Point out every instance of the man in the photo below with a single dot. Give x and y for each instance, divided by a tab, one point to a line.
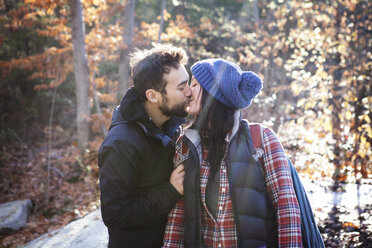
138	187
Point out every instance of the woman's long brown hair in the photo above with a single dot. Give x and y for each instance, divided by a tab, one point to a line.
213	123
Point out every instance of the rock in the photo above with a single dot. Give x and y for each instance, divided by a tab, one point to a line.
88	231
13	215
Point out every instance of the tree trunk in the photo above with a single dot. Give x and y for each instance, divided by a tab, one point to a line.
256	15
81	73
161	25
47	186
98	107
256	18
128	23
279	106
359	109
336	104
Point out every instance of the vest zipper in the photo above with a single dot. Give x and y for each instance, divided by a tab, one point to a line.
236	219
194	152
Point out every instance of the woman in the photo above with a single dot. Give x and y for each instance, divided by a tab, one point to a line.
230	200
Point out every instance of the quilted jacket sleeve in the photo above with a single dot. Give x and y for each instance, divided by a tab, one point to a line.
121	208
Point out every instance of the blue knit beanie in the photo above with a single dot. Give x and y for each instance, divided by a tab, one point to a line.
226	82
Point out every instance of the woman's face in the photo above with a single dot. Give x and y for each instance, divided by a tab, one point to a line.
195	103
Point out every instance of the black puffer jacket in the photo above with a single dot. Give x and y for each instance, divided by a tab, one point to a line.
135	161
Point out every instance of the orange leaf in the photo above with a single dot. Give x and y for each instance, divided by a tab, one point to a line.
349	224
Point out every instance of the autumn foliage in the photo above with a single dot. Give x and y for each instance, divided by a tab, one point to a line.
314	56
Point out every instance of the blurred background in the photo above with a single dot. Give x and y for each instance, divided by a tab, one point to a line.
64	68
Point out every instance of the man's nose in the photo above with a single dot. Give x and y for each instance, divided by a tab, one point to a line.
188	91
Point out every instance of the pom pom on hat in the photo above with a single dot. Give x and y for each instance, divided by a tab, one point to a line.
226	82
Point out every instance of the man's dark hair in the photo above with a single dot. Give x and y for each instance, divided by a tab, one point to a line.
213	124
149	66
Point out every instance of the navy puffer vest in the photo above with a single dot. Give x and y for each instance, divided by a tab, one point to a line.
254	215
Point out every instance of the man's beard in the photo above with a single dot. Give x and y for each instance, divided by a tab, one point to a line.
177	110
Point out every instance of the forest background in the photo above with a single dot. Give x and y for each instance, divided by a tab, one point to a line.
64	68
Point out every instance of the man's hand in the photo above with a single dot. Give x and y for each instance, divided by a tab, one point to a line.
176	178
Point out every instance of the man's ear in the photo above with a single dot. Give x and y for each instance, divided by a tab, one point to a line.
152	95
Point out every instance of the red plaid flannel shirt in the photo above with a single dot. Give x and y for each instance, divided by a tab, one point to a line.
219	231
281	193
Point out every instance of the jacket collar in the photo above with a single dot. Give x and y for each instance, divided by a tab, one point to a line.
131	109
